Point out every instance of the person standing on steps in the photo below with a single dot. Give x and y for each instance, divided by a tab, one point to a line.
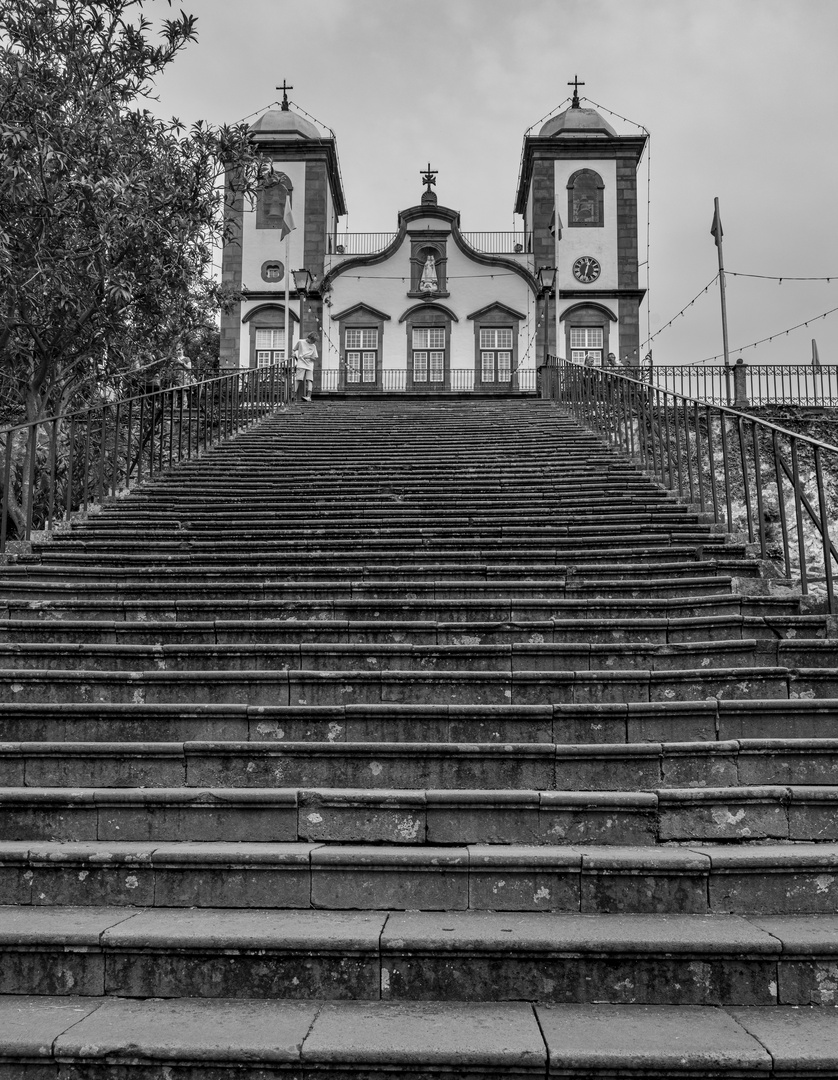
305	353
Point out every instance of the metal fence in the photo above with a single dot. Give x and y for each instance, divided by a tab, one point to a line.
55	467
778	488
765	384
498	243
368	243
490	243
458	380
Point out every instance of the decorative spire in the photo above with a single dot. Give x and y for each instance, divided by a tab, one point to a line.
285	90
575	84
429	179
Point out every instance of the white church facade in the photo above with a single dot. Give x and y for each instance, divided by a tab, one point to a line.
431	306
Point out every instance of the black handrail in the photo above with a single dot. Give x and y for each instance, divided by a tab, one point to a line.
60	465
758	473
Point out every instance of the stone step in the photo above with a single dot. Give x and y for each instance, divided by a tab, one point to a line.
615	722
787	879
343	606
318	653
120	517
661	631
359	547
197	763
253	686
637	561
93	1036
419	956
437	817
36	585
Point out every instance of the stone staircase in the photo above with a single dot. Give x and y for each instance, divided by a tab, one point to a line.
417	739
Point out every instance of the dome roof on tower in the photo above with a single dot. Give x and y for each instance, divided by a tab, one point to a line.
283	124
577	121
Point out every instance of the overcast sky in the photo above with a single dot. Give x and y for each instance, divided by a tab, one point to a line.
740	97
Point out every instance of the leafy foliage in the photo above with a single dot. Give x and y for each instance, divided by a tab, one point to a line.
109	216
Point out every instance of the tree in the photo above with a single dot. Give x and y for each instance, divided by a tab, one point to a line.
109	216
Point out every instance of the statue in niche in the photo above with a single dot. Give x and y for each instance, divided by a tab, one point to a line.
428	282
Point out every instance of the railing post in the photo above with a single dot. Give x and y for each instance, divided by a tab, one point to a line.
740	385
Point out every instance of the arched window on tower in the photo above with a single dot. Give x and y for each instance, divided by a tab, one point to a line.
585	199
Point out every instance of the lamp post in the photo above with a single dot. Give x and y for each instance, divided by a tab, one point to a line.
547	281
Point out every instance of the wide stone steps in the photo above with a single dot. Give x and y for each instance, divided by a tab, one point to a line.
788	879
462	718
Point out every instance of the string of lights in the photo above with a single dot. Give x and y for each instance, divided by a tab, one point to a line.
685	308
648	152
762	341
547	115
785	277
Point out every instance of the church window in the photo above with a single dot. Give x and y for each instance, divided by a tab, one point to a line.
585	199
586	345
429	354
496	354
361	354
270	347
273	270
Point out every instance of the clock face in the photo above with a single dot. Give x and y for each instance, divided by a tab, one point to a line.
586	269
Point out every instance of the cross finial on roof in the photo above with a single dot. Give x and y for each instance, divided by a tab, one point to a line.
575	84
284	88
429	176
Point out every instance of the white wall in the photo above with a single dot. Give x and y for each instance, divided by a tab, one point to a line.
259	245
601	243
471	285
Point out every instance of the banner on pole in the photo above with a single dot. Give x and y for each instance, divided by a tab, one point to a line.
716	230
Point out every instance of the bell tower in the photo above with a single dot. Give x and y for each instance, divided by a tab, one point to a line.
578	196
301	199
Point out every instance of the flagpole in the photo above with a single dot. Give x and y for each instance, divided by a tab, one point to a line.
717	233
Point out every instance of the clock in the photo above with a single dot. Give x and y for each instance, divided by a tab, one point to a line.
586	269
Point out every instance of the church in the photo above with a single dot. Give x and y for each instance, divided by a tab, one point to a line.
431	306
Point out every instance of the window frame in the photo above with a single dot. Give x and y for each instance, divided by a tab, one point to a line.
361	321
599	197
436	358
271	317
494	321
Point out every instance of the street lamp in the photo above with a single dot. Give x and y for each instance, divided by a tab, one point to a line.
547	281
302	281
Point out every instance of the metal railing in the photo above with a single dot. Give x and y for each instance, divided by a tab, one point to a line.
765	384
53	468
370	243
367	243
459	380
757	479
498	243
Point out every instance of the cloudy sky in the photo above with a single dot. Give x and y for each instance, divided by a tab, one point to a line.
740	97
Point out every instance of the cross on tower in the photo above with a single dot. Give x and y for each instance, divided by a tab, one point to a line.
575	84
284	88
429	176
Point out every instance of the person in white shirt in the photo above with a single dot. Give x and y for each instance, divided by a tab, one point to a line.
305	353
